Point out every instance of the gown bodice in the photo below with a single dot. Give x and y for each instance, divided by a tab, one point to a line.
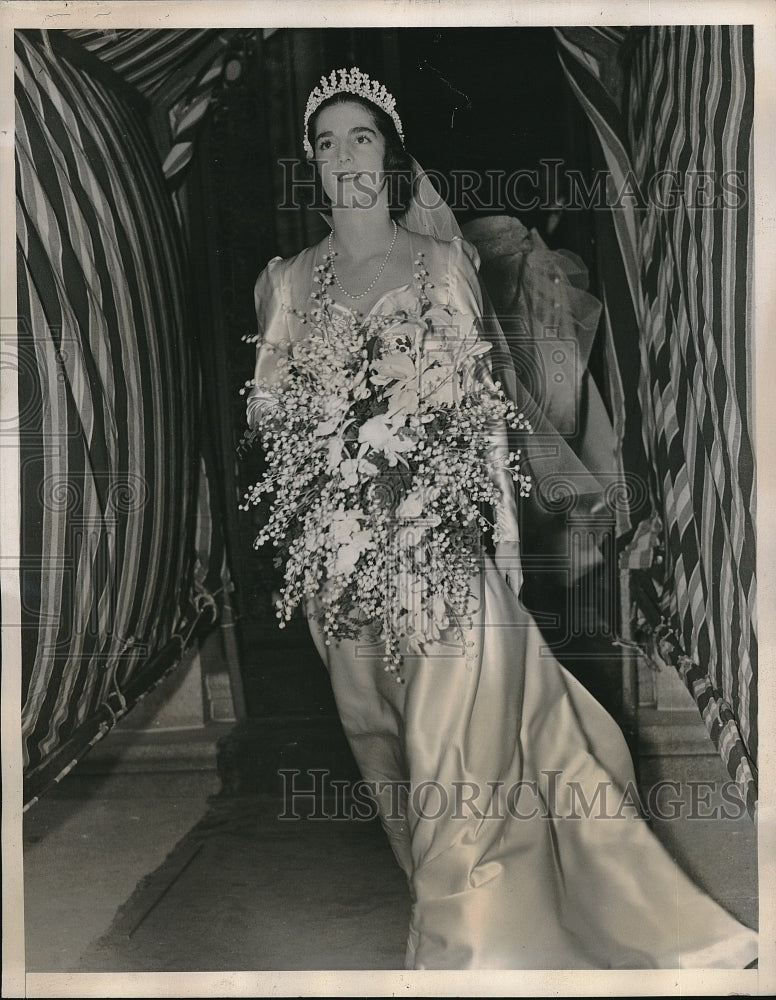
444	289
284	287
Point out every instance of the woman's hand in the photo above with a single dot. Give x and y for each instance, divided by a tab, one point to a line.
508	562
261	400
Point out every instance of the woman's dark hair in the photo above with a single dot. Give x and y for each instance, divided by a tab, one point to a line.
396	161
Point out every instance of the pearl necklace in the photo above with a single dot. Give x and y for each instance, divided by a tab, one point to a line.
376	278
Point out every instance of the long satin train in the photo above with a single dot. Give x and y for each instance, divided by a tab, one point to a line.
519	836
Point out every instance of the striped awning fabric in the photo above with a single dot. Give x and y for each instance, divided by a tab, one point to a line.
156	62
690	112
177	70
686	127
110	401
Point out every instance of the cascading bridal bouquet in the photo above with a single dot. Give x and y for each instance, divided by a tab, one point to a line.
380	460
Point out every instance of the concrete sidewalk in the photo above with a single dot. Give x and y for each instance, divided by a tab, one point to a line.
89	841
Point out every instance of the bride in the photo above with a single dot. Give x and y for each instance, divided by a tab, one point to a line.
518	830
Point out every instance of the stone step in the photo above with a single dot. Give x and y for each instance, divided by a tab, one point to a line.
673	732
253	755
125	751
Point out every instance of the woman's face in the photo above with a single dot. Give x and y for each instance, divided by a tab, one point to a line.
349	153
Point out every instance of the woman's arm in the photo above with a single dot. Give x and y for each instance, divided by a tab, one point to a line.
272	342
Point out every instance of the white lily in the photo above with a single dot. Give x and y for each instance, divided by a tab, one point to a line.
355	469
415	503
350	538
381	434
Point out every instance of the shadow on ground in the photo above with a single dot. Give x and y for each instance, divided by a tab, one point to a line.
247	891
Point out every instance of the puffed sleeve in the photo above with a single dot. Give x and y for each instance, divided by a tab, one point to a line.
466	300
272	340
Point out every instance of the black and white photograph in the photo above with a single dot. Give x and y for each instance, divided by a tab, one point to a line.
386	545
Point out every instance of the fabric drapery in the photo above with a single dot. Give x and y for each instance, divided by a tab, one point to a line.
109	398
589	59
156	62
682	110
178	70
549	321
690	111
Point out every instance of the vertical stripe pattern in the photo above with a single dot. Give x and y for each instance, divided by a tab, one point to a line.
687	125
690	112
109	433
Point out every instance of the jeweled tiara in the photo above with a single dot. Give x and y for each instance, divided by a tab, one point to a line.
350	81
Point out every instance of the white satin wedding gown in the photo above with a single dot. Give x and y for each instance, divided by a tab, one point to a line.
501	748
